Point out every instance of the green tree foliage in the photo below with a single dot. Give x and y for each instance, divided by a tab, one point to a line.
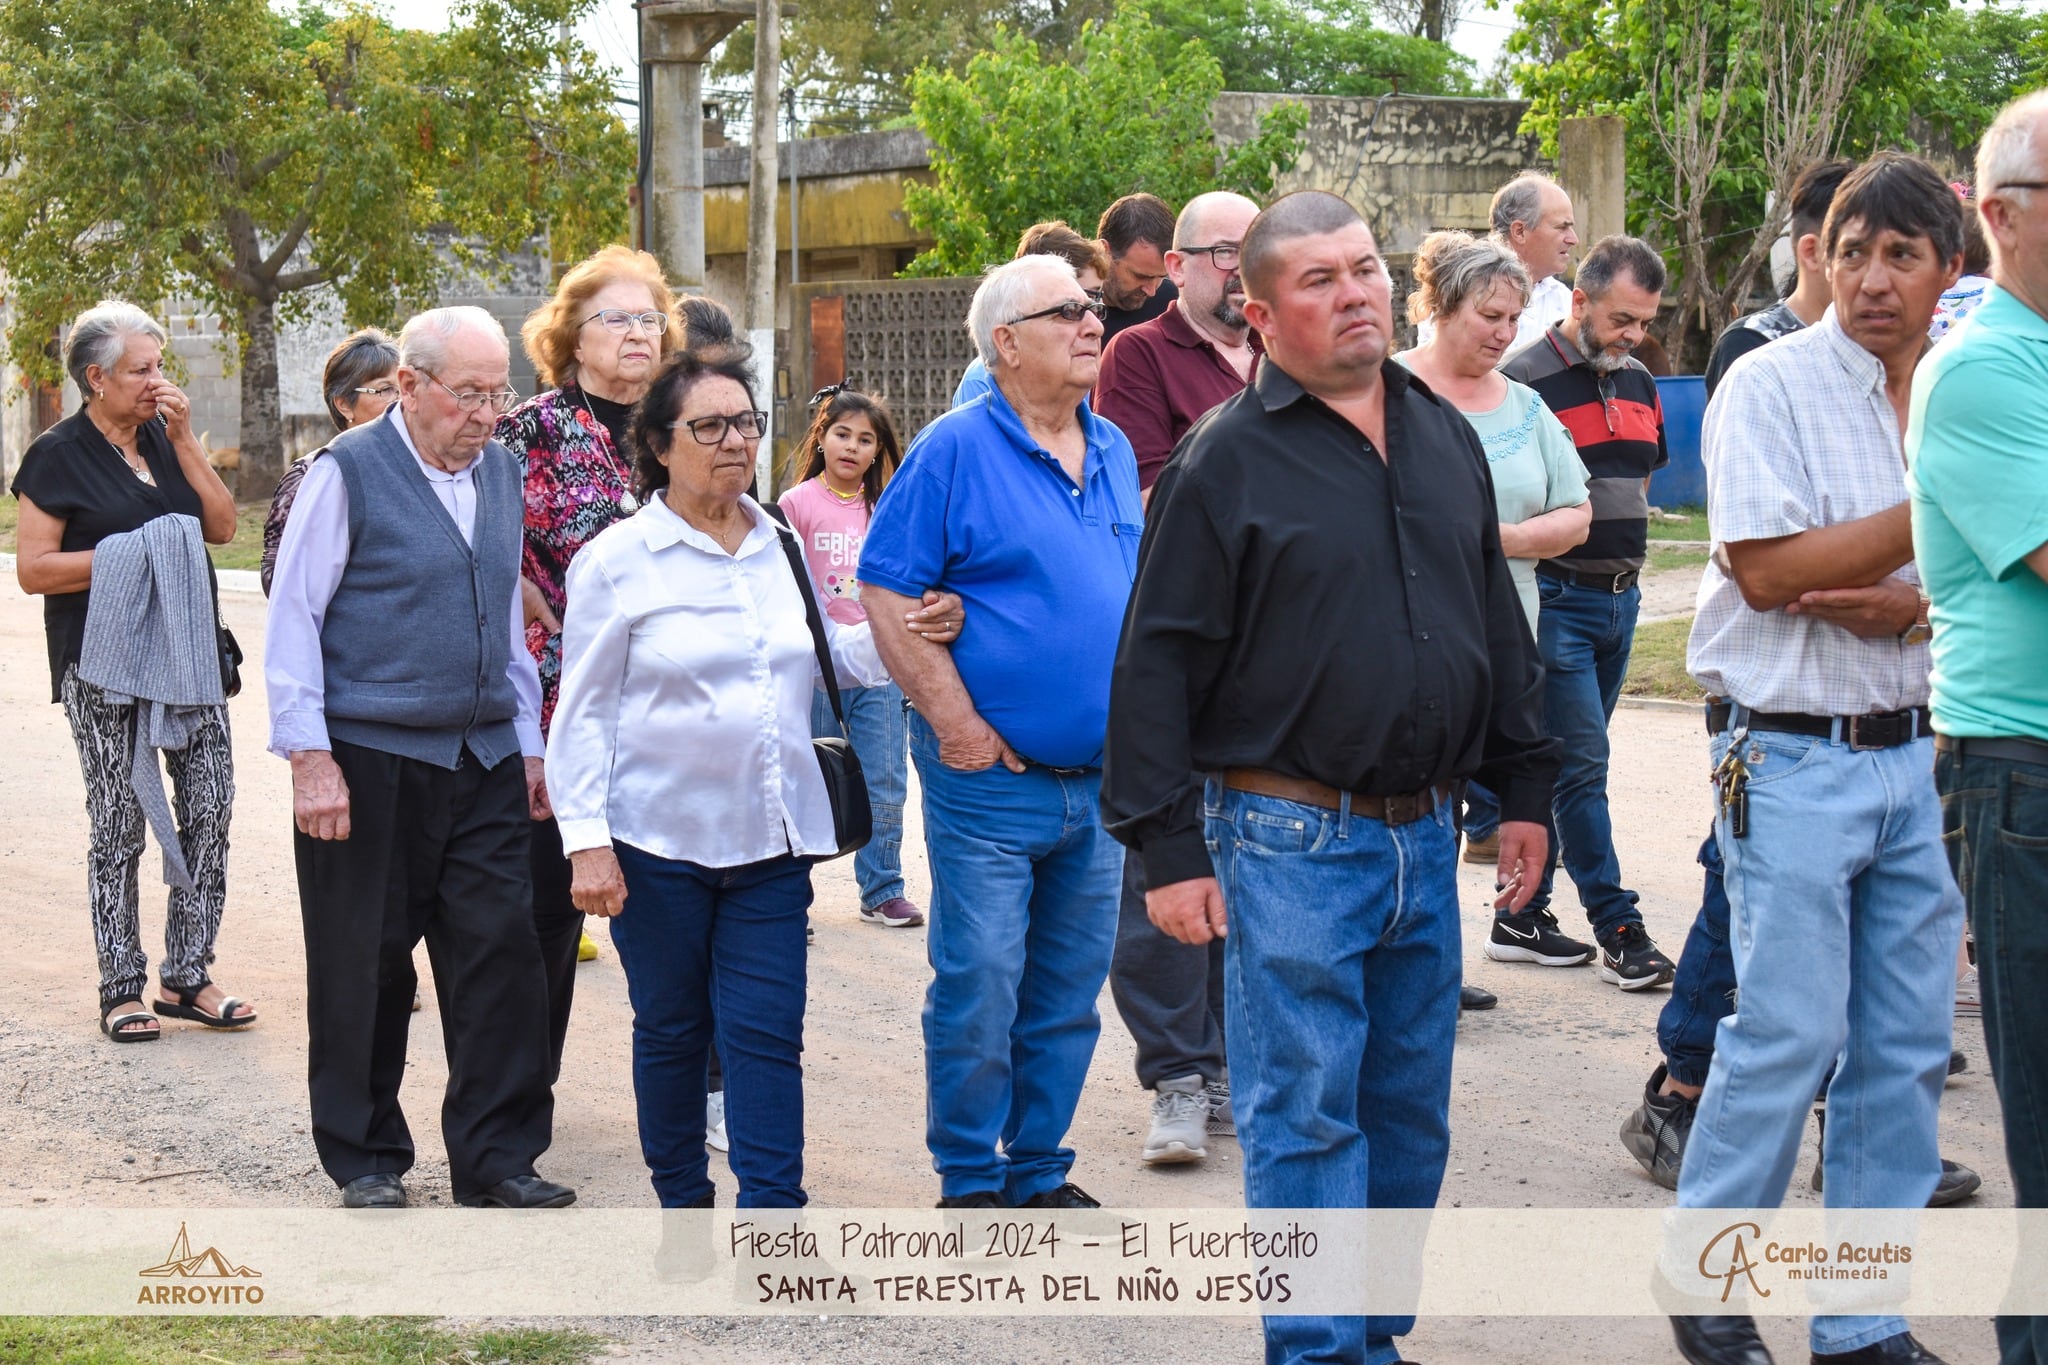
1985	57
1020	138
248	157
853	59
1704	86
1330	48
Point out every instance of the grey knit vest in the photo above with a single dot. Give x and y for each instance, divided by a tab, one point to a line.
417	639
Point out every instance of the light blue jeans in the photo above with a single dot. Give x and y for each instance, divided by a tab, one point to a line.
1025	884
874	715
1341	974
1844	923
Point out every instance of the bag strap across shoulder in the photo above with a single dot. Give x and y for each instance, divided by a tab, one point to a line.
795	555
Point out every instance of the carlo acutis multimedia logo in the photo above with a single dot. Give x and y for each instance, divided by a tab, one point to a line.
203	1279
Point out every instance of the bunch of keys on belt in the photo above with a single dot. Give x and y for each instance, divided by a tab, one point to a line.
1732	778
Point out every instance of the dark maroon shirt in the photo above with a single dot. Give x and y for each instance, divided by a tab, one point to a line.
1158	378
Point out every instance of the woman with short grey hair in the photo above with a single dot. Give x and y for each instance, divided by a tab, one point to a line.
1474	290
126	458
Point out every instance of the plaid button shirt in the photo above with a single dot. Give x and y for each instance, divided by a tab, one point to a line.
1800	435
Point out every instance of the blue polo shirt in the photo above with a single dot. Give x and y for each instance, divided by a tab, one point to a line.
1043	564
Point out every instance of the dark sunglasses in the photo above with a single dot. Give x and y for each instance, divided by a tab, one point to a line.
1073	310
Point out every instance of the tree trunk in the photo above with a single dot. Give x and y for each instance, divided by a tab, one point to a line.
262	419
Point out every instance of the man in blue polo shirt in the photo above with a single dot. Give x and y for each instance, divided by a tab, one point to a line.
1026	504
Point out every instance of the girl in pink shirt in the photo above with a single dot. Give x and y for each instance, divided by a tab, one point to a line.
847	456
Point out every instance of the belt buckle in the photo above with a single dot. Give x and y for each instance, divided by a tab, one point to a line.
1855	732
1401	809
1618	586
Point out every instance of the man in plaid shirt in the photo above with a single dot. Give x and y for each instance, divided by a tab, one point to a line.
1811	637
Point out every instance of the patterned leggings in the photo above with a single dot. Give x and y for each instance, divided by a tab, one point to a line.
202	796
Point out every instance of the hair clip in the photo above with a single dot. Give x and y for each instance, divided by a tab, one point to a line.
831	391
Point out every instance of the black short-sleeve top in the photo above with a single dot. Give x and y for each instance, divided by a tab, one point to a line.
74	472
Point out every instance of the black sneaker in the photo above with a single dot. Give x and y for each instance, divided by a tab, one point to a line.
1067	1196
1533	936
1655	1133
1631	961
1958	1182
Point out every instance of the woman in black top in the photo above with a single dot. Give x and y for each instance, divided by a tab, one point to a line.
127	457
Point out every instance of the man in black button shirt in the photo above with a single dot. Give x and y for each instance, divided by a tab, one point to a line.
1324	624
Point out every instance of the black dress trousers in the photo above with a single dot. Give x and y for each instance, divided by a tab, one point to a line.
559	925
441	855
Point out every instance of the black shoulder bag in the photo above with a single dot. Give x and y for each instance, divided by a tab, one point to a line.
853	820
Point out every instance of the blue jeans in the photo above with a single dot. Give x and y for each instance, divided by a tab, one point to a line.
1585	636
875	725
1341	974
1996	814
1023	923
1703	991
1844	928
704	943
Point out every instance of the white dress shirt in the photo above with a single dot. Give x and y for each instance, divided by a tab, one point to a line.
310	561
1800	435
683	725
1550	302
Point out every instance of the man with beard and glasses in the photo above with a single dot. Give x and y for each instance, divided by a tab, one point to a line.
1586	622
1137	232
1158	379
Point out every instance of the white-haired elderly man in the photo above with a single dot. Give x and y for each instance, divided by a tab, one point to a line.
402	693
1532	216
1026	504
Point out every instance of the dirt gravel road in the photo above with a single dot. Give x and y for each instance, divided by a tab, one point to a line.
1542	1082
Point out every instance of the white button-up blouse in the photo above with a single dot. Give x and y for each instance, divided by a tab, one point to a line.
683	726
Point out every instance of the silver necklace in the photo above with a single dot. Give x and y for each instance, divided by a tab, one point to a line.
627	502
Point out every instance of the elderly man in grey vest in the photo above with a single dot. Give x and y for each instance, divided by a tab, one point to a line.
409	708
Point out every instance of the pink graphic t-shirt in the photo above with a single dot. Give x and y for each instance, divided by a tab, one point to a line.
831	530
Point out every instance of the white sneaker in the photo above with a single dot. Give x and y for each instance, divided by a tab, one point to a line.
1968	1002
1180	1120
714	1122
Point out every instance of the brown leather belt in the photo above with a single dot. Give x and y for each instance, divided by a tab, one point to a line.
1393	810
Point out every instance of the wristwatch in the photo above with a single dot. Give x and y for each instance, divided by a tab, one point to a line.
1919	633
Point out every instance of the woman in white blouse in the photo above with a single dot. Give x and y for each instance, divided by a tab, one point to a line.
681	772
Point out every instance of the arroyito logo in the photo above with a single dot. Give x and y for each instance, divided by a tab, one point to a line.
218	1279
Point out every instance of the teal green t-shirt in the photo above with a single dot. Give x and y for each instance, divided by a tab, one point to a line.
1977	455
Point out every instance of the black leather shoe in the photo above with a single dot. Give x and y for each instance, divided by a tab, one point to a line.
1655	1134
1067	1196
979	1199
1898	1350
520	1192
378	1190
1472	998
1720	1341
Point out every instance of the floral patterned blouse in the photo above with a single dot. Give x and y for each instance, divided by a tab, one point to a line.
577	484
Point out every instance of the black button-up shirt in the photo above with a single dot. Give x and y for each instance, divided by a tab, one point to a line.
1304	607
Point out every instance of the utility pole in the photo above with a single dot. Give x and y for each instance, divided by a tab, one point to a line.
761	194
676	38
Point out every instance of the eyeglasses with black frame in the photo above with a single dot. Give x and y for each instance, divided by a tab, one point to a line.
621	320
709	431
499	400
1073	310
1224	255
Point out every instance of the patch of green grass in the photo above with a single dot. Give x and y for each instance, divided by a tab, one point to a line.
1694	527
1664	558
1656	665
243	552
317	1341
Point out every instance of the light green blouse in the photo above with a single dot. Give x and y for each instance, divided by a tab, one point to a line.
1536	469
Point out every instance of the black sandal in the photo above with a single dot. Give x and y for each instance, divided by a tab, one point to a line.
115	1026
188	1008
